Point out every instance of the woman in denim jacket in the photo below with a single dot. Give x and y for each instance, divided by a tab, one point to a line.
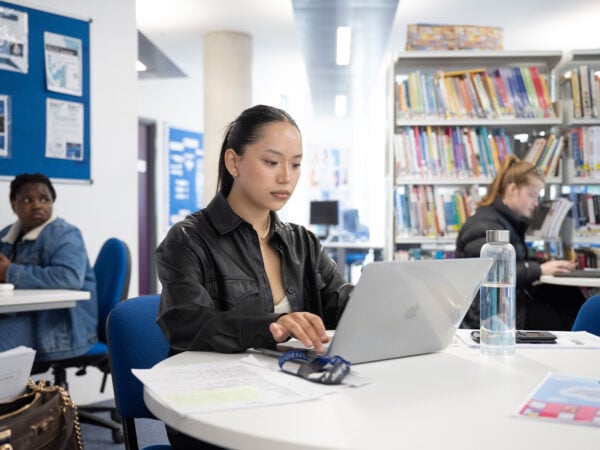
42	251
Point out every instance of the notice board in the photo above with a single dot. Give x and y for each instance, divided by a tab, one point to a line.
44	93
186	172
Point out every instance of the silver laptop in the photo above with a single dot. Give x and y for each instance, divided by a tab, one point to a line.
405	308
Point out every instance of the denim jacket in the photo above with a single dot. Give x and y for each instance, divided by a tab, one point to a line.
215	291
53	256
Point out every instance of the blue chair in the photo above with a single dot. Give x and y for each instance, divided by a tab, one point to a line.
112	269
588	317
134	342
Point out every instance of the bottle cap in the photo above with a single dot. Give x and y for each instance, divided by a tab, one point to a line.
497	236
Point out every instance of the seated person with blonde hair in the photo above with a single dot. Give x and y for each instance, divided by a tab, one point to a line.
509	205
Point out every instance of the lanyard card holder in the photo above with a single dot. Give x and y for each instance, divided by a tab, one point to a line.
321	369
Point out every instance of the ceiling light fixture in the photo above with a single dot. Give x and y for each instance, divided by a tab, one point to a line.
341	105
344	37
140	66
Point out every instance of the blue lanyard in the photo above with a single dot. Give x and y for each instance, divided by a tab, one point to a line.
321	369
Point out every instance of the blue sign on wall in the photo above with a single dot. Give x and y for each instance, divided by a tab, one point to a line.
186	173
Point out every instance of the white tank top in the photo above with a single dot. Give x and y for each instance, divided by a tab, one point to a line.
283	306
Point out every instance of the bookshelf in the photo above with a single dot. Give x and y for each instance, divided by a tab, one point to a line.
579	85
453	121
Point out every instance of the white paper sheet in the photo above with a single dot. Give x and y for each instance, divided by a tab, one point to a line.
64	129
565	339
63	57
227	384
15	369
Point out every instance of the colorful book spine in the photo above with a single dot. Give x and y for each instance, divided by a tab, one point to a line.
542	93
584	85
522	93
576	94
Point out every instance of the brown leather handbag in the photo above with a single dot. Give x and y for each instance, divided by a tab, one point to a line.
44	418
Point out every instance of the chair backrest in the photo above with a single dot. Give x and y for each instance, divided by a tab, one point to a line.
588	317
112	269
134	342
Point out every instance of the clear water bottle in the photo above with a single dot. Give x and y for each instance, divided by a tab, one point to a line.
498	296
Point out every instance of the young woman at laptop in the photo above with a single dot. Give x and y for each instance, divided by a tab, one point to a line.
509	205
233	275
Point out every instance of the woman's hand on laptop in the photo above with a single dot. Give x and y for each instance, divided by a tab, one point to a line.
308	328
557	266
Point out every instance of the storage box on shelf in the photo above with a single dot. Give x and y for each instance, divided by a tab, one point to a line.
579	80
455	117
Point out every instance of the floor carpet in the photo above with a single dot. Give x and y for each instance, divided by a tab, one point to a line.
150	432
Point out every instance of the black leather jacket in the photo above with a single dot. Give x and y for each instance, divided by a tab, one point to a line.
215	291
471	238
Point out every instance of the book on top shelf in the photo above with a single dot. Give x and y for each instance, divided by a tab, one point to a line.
595	92
584	84
501	93
576	93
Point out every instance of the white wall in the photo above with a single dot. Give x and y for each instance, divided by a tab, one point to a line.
108	206
527	24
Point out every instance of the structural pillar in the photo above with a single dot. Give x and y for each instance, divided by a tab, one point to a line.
227	92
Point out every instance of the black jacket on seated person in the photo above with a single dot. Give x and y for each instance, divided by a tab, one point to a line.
540	306
471	238
215	291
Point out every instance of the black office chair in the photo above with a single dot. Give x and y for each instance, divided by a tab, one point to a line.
112	269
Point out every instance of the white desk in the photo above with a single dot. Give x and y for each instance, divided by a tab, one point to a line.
566	281
38	299
456	399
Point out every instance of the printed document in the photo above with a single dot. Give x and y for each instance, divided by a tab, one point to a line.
564	340
15	369
227	384
564	398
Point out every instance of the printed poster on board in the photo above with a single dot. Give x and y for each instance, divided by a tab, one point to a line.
63	58
64	129
186	173
14	40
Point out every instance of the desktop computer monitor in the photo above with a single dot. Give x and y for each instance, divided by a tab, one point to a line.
324	212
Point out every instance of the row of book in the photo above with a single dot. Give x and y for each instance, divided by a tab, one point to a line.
545	153
432	211
428	211
583	146
585	211
418	253
440	152
548	218
581	84
587	257
506	92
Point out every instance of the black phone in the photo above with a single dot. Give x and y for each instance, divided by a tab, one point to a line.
535	337
526	337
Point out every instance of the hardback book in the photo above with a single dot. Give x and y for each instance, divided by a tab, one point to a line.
584	84
576	94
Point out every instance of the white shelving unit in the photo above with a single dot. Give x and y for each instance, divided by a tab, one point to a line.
577	59
431	62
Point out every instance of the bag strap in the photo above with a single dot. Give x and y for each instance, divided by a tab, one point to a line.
18	405
67	405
